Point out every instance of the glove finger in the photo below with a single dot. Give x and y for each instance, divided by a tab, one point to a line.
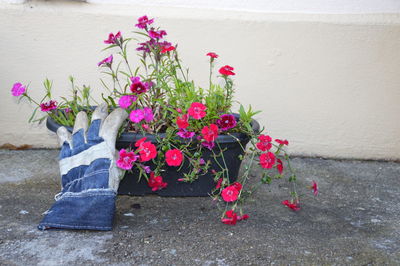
64	138
112	123
80	128
98	117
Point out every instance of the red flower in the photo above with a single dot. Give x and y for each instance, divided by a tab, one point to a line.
226	71
212	55
238	186
166	49
156	182
46	107
267	160
147	150
314	187
182	121
279	166
219	183
231	218
243	217
293	206
226	122
230	193
265	143
282	142
197	110
210	134
174	157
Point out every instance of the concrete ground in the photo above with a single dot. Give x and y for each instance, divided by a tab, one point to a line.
355	220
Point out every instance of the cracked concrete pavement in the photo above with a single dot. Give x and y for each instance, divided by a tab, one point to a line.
353	221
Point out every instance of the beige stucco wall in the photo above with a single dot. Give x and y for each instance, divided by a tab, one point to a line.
328	83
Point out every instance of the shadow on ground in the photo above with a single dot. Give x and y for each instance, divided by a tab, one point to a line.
354	220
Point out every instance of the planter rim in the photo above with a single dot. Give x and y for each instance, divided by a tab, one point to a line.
130	137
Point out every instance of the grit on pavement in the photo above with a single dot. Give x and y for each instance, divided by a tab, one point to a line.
355	220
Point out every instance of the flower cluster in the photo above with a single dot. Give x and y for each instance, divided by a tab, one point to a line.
161	100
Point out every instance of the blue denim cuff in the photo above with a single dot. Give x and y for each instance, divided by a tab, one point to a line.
91	210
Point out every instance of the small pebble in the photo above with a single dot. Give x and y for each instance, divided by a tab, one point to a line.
129	214
23	212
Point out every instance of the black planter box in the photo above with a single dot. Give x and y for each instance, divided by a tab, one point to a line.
130	185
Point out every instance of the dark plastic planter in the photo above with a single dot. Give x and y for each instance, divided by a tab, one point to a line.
201	187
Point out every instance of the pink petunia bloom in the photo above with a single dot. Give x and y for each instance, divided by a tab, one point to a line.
230	194
212	55
18	89
314	187
113	39
226	71
267	160
197	110
107	61
282	142
279	166
210	133
148	114
293	206
174	157
126	101
136	115
265	143
226	122
183	133
143	22
126	159
46	107
157	34
167	49
156	182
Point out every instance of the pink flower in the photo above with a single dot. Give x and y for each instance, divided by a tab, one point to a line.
136	115
210	133
126	101
197	110
107	61
18	89
265	143
174	157
293	206
282	142
279	166
208	144
167	49
267	160
146	168
157	34
183	133
314	187
212	55
143	22
201	161
226	122
182	121
137	86
243	217
238	186
113	39
226	71
46	107
156	182
126	159
148	114
219	183
231	217
230	194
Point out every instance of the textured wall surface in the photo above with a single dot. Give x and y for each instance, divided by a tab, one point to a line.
329	83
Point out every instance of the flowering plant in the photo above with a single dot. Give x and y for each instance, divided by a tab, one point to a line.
160	98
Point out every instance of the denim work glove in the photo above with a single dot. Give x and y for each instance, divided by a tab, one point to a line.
89	174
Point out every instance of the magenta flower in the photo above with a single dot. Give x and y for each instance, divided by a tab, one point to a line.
106	61
146	168
126	159
46	107
139	87
157	34
148	114
18	89
226	122
136	115
208	144
183	133
143	22
113	39
126	101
